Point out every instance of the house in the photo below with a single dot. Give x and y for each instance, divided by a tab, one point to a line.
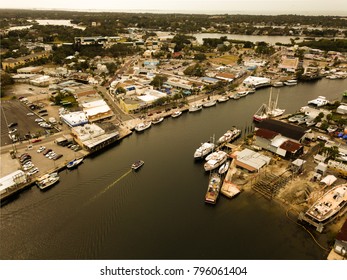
225	77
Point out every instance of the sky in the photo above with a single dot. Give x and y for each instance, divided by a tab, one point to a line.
304	7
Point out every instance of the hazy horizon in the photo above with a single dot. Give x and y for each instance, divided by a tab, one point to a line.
254	7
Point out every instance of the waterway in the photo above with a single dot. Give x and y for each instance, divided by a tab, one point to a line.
103	210
252	38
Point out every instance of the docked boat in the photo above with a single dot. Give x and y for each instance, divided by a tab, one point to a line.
290	82
213	188
157	120
226	137
261	114
235	96
278	84
344	94
215	160
142	126
224	167
223	98
209	103
74	163
229	136
205	149
195	108
47	181
319	101
269	110
137	164
328	205
243	93
176	114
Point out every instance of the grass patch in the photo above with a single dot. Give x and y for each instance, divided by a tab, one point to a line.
225	59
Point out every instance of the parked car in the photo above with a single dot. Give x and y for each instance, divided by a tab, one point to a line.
36	140
32	171
57	156
27	167
41	149
47	151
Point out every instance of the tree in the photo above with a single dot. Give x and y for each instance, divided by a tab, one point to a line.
200	56
111	67
120	90
158	81
6	80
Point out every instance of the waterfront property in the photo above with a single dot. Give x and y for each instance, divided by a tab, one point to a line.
12	181
280	138
250	160
92	137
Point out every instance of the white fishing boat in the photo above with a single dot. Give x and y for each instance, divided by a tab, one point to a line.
215	160
47	181
291	82
278	84
223	98
157	120
235	96
269	110
205	149
74	163
142	126
213	188
209	103
242	93
319	101
195	108
176	114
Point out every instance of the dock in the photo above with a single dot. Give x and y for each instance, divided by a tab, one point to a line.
230	189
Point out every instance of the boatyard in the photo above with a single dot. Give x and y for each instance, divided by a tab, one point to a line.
242	141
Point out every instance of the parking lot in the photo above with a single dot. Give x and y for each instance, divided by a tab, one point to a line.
14	111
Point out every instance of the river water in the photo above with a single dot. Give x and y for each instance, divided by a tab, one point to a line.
252	38
102	210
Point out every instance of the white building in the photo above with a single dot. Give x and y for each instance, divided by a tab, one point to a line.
12	180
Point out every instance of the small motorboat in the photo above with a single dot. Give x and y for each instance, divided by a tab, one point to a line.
176	114
137	164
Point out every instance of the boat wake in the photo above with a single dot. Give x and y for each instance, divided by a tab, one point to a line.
111	185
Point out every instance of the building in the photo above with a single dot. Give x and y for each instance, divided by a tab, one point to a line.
280	138
92	137
225	77
11	181
30	70
256	82
10	63
73	119
250	160
96	110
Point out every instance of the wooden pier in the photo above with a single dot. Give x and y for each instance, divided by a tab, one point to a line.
229	189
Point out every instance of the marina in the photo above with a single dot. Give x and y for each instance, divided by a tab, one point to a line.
167	187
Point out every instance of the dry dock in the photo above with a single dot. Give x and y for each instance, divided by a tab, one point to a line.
229	189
